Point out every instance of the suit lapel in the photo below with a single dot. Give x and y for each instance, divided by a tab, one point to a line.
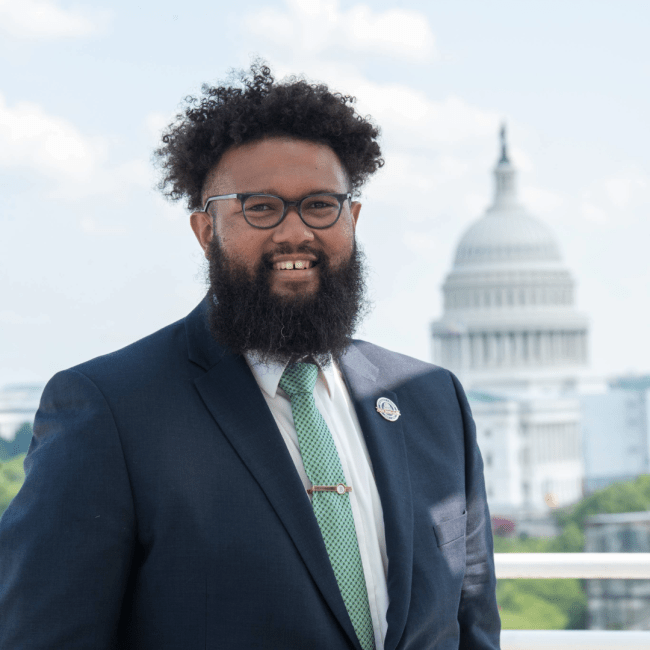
234	399
385	442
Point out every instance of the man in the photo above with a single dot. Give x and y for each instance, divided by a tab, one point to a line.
250	476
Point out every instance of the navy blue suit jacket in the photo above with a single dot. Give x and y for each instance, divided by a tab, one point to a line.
161	510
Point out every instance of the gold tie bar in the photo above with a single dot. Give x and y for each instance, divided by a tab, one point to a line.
341	488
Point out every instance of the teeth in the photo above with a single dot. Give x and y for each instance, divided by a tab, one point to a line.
288	266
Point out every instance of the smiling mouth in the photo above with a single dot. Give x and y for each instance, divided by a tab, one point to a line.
297	265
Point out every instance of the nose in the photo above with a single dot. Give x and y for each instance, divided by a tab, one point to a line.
292	229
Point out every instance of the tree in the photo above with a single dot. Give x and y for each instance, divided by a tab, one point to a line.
12	476
19	445
632	496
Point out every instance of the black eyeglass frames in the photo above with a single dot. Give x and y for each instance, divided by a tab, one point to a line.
267	211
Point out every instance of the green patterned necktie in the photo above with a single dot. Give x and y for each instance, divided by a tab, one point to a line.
332	509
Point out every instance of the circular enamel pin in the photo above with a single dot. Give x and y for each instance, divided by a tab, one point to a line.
387	409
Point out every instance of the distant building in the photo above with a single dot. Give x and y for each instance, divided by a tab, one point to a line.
511	333
618	604
18	406
616	432
531	450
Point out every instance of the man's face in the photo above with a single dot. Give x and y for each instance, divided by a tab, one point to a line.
257	305
290	169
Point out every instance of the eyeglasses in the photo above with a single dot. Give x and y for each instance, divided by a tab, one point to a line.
267	211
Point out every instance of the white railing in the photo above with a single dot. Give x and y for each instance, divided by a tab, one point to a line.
574	640
573	565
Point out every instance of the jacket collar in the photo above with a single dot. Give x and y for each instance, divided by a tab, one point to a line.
202	349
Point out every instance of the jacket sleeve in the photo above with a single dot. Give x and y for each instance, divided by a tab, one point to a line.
478	615
66	539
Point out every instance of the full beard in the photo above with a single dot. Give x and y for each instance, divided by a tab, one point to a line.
245	316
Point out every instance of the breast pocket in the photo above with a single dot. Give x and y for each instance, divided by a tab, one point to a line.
450	535
450	530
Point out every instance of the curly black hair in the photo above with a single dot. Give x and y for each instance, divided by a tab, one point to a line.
228	115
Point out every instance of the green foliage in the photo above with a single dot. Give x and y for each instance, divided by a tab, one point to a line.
633	496
570	540
19	445
519	545
522	608
12	476
542	604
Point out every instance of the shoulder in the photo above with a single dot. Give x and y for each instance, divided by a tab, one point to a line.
404	373
399	366
158	358
148	355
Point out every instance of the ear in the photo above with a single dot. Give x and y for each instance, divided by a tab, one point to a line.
201	223
355	209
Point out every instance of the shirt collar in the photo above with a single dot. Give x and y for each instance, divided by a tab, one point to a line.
268	375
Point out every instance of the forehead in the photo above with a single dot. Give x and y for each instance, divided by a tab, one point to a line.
282	165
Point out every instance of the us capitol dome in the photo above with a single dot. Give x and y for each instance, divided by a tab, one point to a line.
509	321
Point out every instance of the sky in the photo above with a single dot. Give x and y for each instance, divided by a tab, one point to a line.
93	258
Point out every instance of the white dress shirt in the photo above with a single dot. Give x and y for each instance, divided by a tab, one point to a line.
334	403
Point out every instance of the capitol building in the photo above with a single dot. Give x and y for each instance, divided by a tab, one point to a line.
511	333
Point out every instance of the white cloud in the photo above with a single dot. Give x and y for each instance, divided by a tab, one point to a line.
625	190
115	182
423	121
316	26
54	148
407	116
620	198
593	213
49	144
423	174
45	19
396	31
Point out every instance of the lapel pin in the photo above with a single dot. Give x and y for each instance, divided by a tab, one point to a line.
387	409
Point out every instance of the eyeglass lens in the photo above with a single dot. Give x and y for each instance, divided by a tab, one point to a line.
264	211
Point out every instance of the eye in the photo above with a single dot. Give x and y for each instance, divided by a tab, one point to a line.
320	203
258	207
260	204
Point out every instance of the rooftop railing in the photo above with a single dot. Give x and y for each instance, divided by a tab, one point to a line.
625	566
